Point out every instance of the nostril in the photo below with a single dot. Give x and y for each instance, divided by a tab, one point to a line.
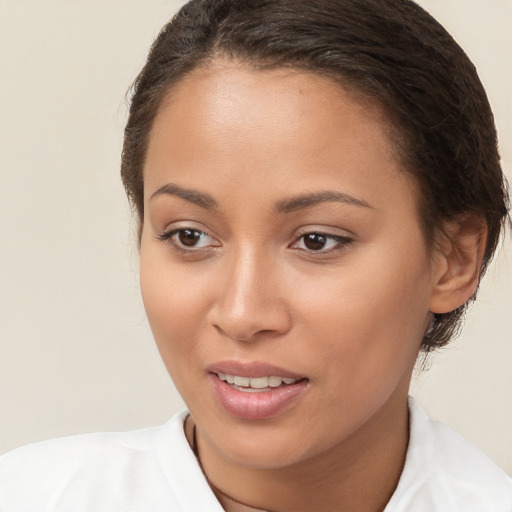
245	335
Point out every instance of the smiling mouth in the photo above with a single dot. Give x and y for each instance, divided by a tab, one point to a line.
255	390
256	384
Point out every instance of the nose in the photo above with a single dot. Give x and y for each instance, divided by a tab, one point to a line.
250	301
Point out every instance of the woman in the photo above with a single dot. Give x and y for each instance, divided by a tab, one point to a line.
319	193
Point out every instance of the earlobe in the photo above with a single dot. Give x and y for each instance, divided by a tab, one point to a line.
458	263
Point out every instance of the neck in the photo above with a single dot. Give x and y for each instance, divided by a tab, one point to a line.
359	474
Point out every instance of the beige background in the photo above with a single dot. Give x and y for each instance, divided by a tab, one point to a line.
76	353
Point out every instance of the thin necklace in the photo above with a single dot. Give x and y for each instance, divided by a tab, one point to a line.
195	449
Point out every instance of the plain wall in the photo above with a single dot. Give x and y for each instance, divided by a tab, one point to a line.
76	353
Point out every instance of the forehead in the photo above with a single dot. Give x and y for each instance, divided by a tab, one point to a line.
237	97
229	126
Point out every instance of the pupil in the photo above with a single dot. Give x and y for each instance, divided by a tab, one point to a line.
315	241
189	238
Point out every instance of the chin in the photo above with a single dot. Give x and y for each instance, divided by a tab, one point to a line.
266	447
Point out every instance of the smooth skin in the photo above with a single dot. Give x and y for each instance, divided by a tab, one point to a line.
304	250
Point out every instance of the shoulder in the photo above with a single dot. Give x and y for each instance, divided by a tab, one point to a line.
443	471
71	470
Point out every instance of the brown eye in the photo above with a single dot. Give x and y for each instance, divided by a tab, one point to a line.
189	237
315	241
322	243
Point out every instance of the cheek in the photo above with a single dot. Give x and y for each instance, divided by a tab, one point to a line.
370	316
175	307
174	303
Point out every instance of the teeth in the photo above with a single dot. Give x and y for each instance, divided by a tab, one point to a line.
273	382
259	383
255	382
242	381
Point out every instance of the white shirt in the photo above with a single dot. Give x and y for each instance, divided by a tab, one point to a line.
154	470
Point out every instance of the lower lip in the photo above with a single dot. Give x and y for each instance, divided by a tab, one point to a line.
256	405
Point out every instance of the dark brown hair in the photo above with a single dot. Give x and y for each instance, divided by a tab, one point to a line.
391	51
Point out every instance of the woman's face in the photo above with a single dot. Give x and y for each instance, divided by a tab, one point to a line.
281	239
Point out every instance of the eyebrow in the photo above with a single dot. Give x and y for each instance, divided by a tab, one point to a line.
324	196
193	196
282	206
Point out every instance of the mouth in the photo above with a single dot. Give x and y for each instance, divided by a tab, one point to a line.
255	391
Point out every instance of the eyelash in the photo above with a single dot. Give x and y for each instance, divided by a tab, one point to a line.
342	242
167	237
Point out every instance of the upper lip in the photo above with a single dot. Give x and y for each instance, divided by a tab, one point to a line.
251	369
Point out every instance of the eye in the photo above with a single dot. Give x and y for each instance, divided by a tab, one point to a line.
321	242
188	239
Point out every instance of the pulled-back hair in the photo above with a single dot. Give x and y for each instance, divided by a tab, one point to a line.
389	51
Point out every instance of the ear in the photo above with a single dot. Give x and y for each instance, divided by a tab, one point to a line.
458	262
